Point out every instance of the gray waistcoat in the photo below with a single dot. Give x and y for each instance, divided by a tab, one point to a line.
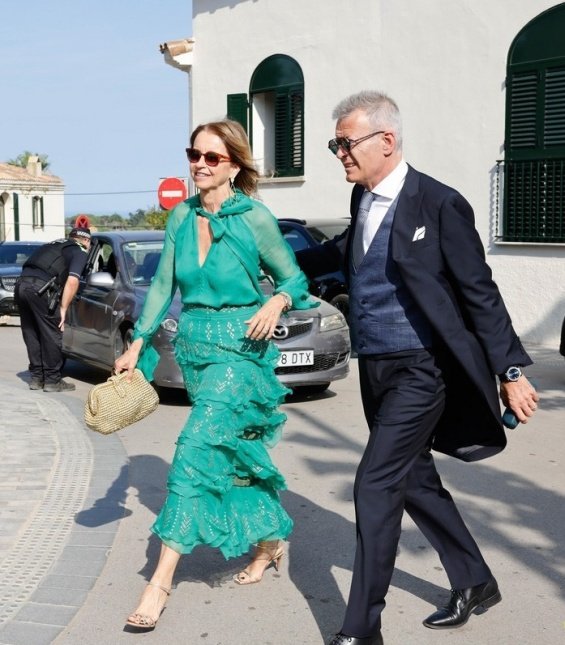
383	317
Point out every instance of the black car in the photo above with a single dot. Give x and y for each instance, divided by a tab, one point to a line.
12	257
302	234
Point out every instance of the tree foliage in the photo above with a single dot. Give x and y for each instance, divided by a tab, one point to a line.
151	219
22	159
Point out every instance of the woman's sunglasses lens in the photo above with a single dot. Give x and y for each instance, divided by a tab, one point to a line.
211	159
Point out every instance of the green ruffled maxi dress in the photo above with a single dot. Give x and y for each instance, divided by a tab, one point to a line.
222	485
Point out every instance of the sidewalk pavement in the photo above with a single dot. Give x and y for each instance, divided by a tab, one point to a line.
64	570
50	470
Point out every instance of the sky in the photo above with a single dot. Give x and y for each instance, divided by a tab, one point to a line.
84	82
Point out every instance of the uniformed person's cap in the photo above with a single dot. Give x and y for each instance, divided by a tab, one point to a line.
80	232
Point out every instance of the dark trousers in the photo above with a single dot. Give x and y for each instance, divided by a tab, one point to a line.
403	399
42	336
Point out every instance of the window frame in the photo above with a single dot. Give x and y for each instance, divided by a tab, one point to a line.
533	169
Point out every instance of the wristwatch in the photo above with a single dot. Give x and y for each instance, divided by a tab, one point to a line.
512	374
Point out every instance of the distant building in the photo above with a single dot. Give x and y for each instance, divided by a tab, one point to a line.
481	88
31	203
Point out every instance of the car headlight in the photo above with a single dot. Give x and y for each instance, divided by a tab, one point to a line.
170	324
333	321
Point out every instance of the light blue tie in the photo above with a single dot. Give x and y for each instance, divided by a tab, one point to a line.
358	252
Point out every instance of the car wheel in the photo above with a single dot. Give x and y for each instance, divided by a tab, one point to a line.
341	302
123	341
312	389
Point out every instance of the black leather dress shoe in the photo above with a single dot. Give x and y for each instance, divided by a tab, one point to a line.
342	639
463	603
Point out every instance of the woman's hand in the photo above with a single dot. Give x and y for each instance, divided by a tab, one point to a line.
128	360
263	323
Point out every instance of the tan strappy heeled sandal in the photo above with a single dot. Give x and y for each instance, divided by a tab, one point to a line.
271	553
142	621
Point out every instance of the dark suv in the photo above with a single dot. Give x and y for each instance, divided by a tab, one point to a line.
302	234
12	257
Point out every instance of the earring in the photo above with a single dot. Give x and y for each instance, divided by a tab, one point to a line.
232	185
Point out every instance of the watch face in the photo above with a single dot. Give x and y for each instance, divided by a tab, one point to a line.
513	373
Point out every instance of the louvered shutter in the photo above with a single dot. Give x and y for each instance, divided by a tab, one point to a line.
523	91
554	107
238	109
289	132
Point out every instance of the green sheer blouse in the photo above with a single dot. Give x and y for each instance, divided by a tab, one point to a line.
246	242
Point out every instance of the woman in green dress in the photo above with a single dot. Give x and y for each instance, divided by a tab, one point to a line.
222	485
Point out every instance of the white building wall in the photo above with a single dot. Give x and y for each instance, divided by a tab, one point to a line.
444	62
53	210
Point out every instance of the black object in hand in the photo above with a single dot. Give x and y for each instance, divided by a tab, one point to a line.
509	419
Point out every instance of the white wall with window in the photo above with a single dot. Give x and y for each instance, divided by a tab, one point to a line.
31	204
447	64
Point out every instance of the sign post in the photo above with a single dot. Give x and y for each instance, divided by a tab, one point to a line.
171	192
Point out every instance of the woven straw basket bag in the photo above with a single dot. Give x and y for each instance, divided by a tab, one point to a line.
115	404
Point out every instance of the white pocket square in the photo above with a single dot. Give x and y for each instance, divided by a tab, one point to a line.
419	233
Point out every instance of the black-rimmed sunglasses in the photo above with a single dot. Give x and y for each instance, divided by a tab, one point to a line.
347	144
211	158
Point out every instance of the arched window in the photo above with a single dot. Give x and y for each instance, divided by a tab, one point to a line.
534	164
276	116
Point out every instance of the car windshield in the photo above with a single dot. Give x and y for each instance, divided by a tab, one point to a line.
16	254
141	259
323	232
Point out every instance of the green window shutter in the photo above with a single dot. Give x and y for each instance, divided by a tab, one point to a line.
16	200
523	89
554	107
238	109
289	132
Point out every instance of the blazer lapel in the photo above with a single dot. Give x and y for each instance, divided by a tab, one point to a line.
407	217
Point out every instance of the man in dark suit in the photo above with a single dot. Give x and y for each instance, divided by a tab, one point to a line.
431	332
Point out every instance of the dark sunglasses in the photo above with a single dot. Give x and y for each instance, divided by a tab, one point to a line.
347	144
211	158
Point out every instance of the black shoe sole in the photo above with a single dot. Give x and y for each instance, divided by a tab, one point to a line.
481	608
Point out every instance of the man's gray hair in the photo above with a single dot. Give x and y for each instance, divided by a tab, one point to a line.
380	108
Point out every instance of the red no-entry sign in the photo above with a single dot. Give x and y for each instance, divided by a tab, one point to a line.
172	190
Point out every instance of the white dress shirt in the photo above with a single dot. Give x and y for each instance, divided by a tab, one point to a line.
385	193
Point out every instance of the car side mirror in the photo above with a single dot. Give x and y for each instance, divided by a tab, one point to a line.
100	279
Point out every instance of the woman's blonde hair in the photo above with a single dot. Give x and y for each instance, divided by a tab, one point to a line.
235	139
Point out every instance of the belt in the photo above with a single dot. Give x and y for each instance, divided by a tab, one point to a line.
32	279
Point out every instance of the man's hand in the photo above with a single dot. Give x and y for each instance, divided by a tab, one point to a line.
521	397
63	313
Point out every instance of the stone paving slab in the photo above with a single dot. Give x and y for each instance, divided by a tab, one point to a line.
51	551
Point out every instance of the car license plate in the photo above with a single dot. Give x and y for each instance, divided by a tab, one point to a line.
296	358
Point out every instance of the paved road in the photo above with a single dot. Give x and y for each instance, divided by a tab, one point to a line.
75	508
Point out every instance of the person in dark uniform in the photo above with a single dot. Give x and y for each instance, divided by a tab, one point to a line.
431	332
49	282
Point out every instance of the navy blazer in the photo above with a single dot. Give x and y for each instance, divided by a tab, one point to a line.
441	259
